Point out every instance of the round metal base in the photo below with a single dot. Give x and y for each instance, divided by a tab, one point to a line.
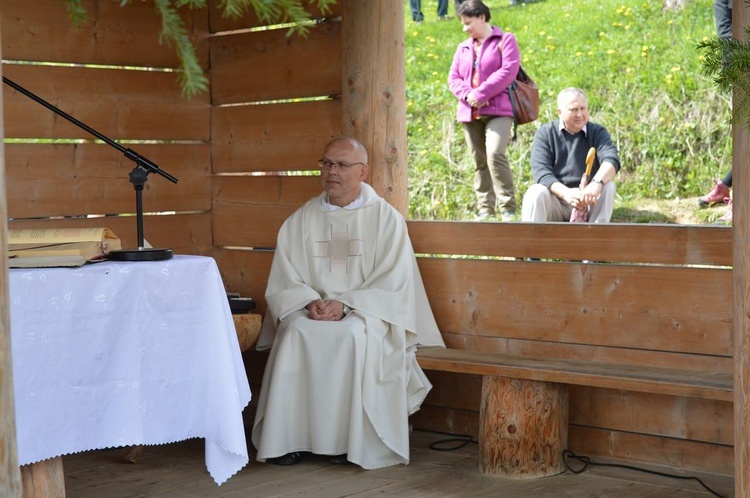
145	254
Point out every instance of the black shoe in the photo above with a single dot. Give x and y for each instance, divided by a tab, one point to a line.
338	459
292	458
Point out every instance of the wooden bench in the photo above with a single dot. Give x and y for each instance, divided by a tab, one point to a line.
523	439
629	358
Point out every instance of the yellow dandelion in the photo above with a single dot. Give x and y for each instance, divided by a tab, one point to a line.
430	127
602	34
434	73
590	52
668	77
669	22
628	70
627	27
567	14
705	38
422	152
578	54
644	48
542	33
610	51
676	69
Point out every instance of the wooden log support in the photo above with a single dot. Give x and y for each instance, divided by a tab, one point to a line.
248	329
43	479
524	427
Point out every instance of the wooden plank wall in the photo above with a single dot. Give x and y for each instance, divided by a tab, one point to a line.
113	75
664	297
276	103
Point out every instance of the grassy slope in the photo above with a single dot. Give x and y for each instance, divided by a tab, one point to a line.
642	72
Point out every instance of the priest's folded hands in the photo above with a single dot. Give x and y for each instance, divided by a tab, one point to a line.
326	309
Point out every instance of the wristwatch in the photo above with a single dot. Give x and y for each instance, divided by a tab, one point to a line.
347	310
597	181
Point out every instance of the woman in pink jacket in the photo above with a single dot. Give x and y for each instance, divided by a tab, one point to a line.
483	67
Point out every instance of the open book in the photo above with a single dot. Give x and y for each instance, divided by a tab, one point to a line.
45	247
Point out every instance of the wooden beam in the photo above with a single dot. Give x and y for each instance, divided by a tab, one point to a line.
374	91
10	474
741	290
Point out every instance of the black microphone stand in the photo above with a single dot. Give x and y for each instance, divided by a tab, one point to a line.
138	177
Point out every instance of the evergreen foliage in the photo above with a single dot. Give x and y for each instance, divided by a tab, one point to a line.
728	63
191	77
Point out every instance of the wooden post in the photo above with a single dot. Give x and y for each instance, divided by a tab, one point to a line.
523	427
10	476
44	479
374	91
741	297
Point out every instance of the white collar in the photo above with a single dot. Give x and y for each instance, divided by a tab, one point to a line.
355	204
561	127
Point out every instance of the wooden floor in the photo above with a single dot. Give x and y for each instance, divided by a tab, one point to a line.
178	470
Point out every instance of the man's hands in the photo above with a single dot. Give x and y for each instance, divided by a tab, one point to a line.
581	198
325	309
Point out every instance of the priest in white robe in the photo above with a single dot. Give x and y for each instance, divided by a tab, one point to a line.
346	311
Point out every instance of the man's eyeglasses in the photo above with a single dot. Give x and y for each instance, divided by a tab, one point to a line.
341	165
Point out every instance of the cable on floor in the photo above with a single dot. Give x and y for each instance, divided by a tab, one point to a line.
586	461
456	441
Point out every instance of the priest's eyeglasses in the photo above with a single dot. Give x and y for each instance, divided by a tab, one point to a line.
341	165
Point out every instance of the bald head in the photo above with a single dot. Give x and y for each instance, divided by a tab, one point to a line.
349	144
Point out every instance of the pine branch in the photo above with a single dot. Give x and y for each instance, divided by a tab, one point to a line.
76	12
191	77
727	62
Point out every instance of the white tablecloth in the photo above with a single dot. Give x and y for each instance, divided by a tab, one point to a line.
120	353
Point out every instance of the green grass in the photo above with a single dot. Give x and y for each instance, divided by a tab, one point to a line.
640	69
